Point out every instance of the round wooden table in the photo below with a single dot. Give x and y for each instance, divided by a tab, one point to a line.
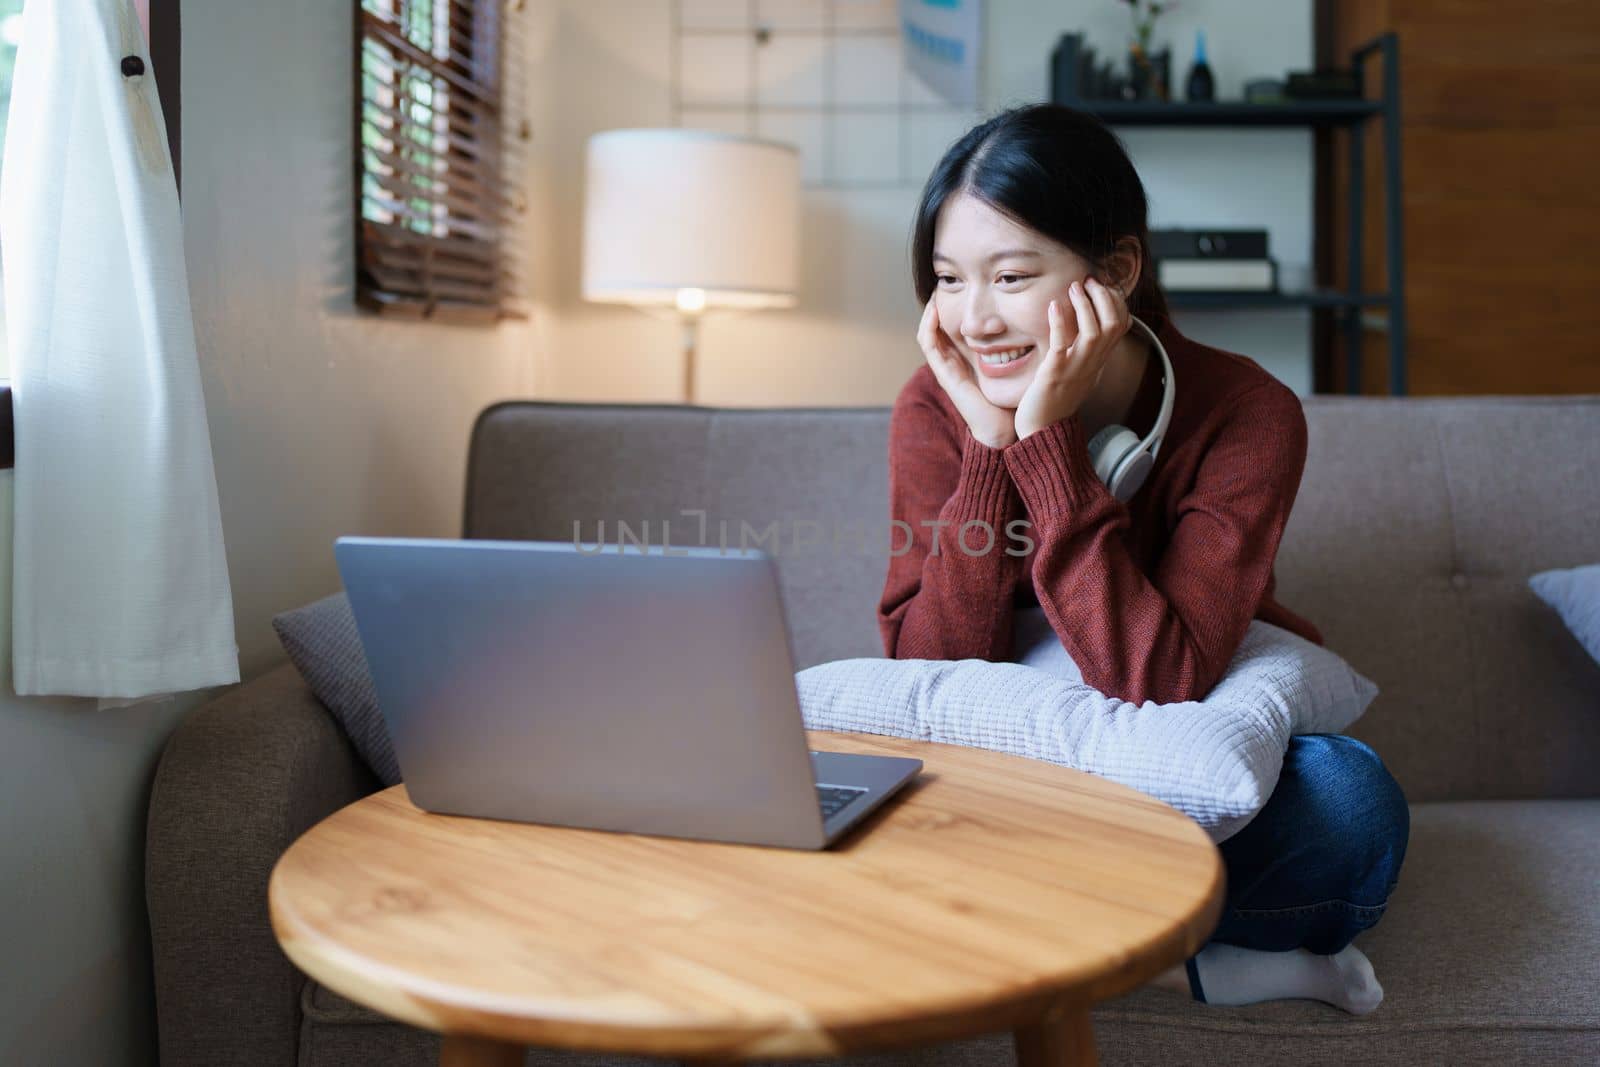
993	893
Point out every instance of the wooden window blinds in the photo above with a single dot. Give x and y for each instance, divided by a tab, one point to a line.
436	191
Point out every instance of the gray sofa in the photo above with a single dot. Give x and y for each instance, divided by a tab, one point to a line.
1417	525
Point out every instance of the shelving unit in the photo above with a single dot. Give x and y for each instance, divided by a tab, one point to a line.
1352	115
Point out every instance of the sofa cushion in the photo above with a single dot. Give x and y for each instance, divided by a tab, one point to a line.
1216	760
1574	593
325	646
1489	953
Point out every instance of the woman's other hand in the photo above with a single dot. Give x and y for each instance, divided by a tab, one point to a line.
1069	374
990	425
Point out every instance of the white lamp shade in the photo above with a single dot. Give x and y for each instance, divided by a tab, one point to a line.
668	210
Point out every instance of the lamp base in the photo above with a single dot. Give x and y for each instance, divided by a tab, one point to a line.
691	338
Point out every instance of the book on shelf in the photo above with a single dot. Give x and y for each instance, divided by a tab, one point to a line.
1210	243
1217	275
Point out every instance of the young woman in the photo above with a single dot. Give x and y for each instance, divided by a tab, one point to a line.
1031	256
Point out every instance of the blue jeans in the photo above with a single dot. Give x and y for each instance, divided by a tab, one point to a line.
1315	867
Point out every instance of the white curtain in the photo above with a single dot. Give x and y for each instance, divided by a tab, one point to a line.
120	586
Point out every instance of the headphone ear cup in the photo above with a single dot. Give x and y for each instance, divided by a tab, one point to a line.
1108	448
1112	451
1127	481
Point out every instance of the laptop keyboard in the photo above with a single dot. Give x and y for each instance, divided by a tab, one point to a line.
834	798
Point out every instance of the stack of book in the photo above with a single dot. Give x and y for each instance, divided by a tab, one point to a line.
1213	261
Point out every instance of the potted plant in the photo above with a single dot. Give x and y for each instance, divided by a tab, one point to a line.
1148	71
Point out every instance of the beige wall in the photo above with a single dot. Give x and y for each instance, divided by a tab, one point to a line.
325	421
74	987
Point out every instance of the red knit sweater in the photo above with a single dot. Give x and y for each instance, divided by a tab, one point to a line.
1150	598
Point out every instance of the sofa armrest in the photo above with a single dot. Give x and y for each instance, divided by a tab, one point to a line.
241	777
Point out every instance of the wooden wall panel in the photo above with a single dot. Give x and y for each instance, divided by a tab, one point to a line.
1492	31
1500	108
1457	162
1494	96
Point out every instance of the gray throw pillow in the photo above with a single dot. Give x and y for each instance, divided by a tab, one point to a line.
1575	595
324	645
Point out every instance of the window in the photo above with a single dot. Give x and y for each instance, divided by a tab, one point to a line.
159	21
10	34
436	202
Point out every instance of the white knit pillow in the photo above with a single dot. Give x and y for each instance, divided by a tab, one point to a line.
1574	594
1217	760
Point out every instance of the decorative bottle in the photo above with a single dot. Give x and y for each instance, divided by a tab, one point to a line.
1201	86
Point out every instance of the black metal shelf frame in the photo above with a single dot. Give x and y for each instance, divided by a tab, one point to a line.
1233	112
1353	115
1311	298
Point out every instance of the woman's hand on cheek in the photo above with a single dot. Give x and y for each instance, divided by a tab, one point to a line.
990	425
1067	375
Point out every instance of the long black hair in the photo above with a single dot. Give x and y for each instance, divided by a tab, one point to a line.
1057	171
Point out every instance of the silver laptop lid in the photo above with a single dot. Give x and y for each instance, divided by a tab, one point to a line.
531	680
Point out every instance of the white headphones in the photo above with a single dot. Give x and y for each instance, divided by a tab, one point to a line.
1121	460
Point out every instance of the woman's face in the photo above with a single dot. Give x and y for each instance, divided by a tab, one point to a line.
995	280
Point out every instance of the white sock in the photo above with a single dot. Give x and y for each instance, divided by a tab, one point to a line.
1233	975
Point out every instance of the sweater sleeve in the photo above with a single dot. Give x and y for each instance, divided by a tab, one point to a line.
1168	638
942	600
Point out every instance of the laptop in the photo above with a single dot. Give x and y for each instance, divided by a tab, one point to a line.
649	691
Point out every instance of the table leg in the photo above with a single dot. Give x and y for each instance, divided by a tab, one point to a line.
462	1050
1061	1041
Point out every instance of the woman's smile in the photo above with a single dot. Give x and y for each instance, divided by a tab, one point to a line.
1002	363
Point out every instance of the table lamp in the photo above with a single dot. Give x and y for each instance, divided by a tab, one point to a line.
691	219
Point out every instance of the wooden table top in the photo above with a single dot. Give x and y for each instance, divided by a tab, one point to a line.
991	891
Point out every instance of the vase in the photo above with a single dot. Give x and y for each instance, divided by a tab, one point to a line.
1149	73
